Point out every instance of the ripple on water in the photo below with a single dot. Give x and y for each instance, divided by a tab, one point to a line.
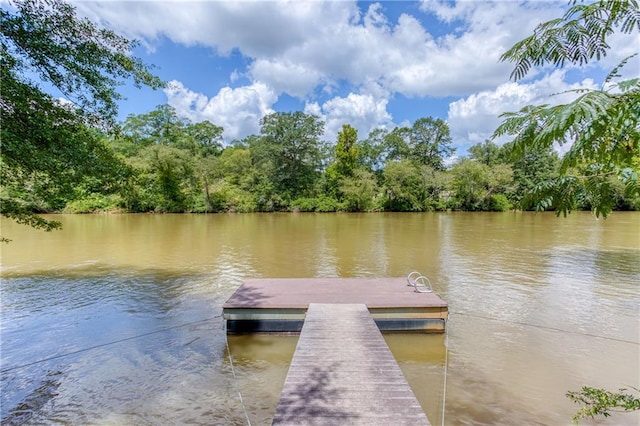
58	314
508	273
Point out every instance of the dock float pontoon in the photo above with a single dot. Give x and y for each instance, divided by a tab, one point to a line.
279	305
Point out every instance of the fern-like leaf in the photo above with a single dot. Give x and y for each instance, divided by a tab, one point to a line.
578	37
615	72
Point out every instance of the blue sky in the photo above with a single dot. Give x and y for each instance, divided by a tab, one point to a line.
369	64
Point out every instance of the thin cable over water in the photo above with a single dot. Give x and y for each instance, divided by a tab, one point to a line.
235	382
15	367
545	327
446	367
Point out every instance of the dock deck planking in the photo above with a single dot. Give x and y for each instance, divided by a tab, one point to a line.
299	292
343	372
274	305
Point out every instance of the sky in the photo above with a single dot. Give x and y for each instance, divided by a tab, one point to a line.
368	64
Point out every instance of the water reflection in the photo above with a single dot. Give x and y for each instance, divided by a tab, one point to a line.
32	402
422	361
126	382
261	363
141	285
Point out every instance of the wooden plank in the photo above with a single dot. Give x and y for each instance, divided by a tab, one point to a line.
292	293
343	372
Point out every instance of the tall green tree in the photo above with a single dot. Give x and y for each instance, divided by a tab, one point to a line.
203	139
45	44
173	170
235	166
171	156
359	191
476	186
486	152
162	126
403	186
430	142
434	184
370	150
233	179
382	146
290	144
345	159
346	150
600	127
531	169
258	177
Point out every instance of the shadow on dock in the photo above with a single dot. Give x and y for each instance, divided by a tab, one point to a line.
250	296
313	397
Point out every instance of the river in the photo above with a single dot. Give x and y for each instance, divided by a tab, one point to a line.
116	319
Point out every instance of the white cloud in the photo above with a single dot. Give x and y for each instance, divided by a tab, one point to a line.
292	78
402	56
364	112
473	119
520	18
359	57
237	110
295	46
235	76
257	28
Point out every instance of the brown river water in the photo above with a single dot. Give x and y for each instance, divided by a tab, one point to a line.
116	319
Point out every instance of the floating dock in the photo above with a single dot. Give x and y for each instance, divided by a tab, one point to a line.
279	305
343	372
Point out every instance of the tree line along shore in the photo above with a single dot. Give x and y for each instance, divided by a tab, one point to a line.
160	162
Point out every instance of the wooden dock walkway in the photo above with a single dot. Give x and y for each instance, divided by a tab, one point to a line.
279	304
343	373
